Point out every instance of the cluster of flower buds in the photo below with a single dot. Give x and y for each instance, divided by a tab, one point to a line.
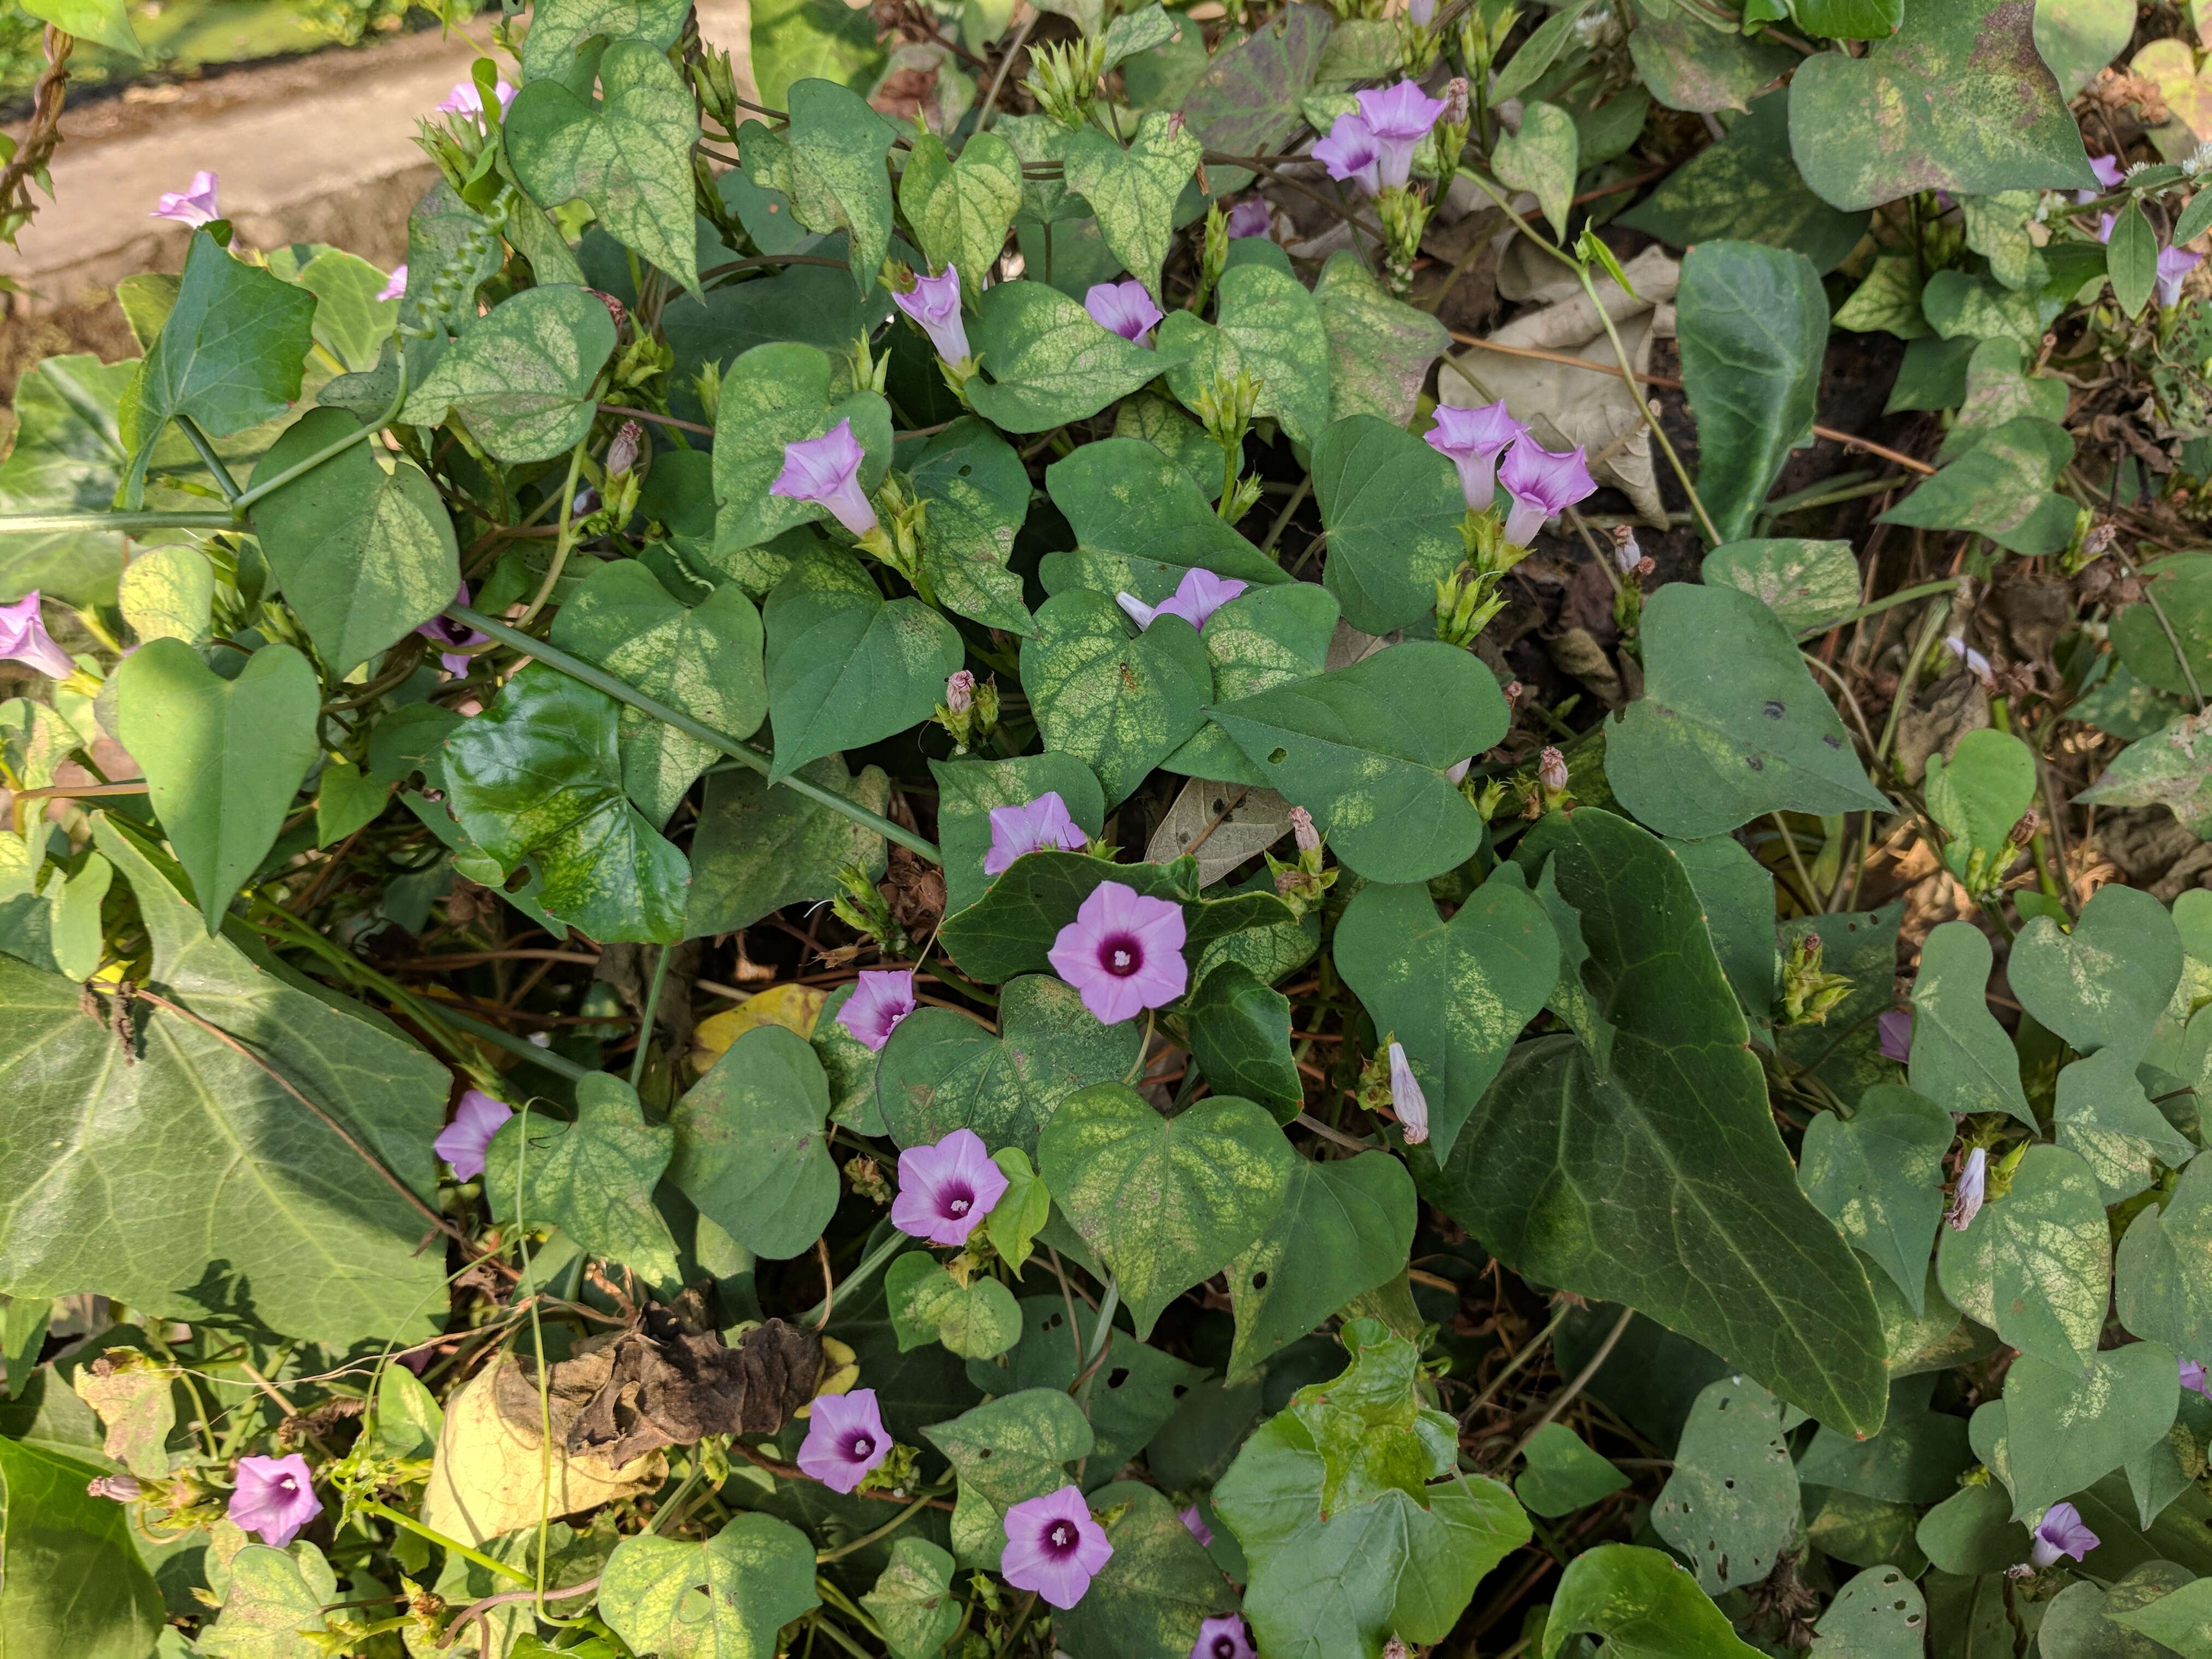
1301	882
866	1177
969	711
1213	253
1480	39
1064	79
1635	567
713	77
1473	594
1224	410
1418	40
1405	216
862	908
1809	993
465	145
896	537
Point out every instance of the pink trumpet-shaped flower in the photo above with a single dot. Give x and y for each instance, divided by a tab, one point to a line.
1123	953
1223	1636
2193	1378
24	639
1351	152
1122	309
934	305
394	285
1044	822
275	1499
1251	217
1196	598
1400	116
2173	264
879	1001
945	1190
1543	483
464	1142
2109	171
1055	1547
1407	1099
1896	1029
1472	439
1422	13
827	471
195	205
465	100
2061	1533
845	1439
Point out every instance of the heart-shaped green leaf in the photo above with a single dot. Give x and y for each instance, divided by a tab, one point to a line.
1563	1474
1808	584
2001	487
1269	324
2033	1266
2105	984
223	758
913	1602
979	496
2163	1282
749	1149
978	1320
2065	1429
1641	1604
521	377
1976	796
2102	1112
1717	740
759	848
1957	100
629	157
1961	1058
845	667
2163	769
558	28
1133	187
1120	702
1344	1228
1154	1594
1878	1175
1364	749
829	162
592	1178
961	209
364	555
1240	1037
1006	1453
757	1573
772	396
705	661
1731	1504
1261	639
1540	159
1455	993
1141	525
1049	362
1166	1202
1379	348
1393	508
1133	1398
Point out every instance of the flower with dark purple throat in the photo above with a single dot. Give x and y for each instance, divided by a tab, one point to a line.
394	285
1122	309
1041	823
24	639
1472	439
275	1499
883	998
1407	1099
1223	1636
2109	171
1543	484
826	470
945	1190
934	305
2193	1378
2173	264
463	1142
1966	1196
845	1439
1400	116
1251	217
1197	597
1895	1025
194	205
1195	1524
1055	1547
1350	152
1123	953
2060	1533
458	637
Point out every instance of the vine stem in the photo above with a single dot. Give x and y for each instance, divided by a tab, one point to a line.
400	1518
1566	1396
576	668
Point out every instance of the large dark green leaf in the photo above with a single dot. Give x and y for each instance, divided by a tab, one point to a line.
1120	702
1379	348
198	1187
1393	508
1141	525
1641	1604
1269	325
537	778
759	847
750	1151
71	1584
1344	1228
1646	1168
1240	1037
1049	362
68	455
1957	100
2001	487
1132	1396
1879	1176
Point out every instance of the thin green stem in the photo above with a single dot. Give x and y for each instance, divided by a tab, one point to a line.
1905	680
1650	421
823	1558
1903	596
567	536
384	1511
124	524
651	1005
213	462
859	1275
577	669
300	469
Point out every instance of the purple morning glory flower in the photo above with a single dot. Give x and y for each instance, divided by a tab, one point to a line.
845	1439
1966	1196
826	470
1123	952
476	1121
24	639
1251	217
195	205
2173	264
883	998
1400	116
456	635
945	1190
1351	152
1543	483
1043	822
2109	171
2061	1533
275	1499
1896	1029
2193	1377
394	285
1407	1099
1472	439
935	305
1122	309
1055	1547
1223	1636
1197	597
465	100
1195	1524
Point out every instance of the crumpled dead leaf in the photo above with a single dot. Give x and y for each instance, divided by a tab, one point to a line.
1565	406
1221	824
1935	721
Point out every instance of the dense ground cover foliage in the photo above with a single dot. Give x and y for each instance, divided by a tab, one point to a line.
1132	833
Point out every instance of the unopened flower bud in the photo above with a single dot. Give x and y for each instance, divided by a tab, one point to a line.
616	309
2029	827
1513	690
1647	567
1552	769
2100	540
122	1488
1303	831
960	692
623	453
1455	109
1625	553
